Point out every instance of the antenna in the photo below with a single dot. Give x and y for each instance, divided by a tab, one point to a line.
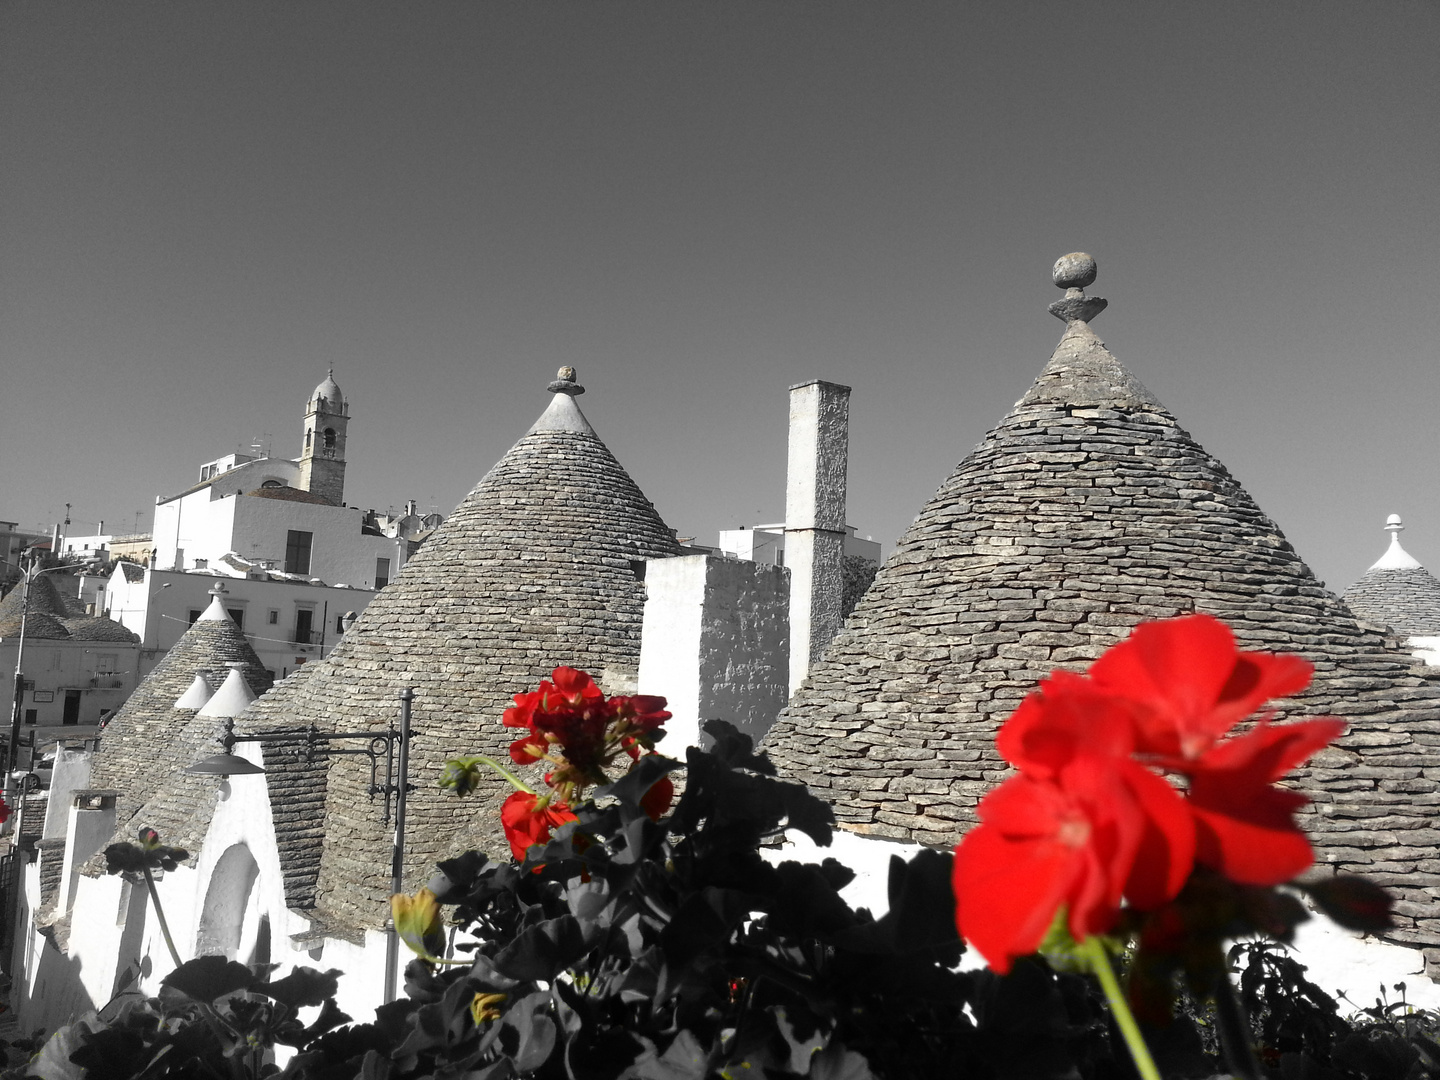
67	514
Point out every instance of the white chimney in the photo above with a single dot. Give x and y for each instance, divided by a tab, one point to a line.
815	518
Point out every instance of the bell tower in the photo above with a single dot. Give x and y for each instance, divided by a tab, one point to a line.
322	462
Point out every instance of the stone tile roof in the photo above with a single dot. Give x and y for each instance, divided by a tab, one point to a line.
1397	592
148	743
297	791
1405	600
56	616
1087	510
536	568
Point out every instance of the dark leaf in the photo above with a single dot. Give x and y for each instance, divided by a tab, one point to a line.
1353	902
631	787
303	987
684	1059
837	1063
209	977
537	1031
733	749
543	951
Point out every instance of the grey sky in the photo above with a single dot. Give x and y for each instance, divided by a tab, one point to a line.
204	206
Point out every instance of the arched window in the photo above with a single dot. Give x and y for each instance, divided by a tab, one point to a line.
226	902
329	438
307	440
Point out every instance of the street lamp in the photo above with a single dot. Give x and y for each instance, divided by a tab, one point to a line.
393	745
15	708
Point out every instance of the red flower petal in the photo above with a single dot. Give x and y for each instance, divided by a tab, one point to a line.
1067	716
658	799
525	826
1192	683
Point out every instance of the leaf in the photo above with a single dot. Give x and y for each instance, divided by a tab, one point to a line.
1353	902
538	1034
734	749
631	787
837	1063
543	951
684	1059
207	978
303	987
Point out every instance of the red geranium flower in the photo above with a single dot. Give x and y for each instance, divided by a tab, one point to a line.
658	799
1191	684
1245	825
526	826
4	811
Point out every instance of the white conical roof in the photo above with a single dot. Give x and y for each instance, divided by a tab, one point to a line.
196	696
1395	557
232	697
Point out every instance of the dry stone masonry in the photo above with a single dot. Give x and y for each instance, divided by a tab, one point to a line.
1087	510
540	565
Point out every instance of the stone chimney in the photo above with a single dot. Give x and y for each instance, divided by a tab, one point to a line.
815	518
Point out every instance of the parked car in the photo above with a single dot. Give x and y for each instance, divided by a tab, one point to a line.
29	781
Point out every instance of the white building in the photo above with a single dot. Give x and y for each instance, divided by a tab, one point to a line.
280	514
766	544
77	668
288	620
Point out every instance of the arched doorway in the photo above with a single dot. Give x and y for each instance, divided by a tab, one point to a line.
222	919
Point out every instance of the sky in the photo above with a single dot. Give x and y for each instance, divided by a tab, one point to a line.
203	207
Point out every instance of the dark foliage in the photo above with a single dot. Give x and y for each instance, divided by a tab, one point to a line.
671	950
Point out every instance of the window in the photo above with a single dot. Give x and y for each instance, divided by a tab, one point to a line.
330	439
273	619
32	716
107	663
304	620
297	551
71	715
194	615
238	615
202	564
382	573
339	624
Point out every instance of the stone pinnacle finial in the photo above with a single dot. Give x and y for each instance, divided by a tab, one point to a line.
1072	273
565	383
1392	523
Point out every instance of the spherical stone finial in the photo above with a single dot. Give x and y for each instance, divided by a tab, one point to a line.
1074	271
1392	523
565	383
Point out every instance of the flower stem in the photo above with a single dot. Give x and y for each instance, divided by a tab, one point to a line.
520	785
160	915
1094	950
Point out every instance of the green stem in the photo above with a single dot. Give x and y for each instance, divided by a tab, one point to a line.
520	785
1094	950
160	914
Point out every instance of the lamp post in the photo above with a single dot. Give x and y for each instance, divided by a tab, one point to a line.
392	744
15	708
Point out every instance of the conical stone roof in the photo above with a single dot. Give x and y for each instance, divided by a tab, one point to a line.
148	743
539	566
1087	510
55	616
1397	592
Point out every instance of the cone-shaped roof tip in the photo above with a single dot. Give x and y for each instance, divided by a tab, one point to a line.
563	414
1073	273
216	611
232	697
1395	557
196	696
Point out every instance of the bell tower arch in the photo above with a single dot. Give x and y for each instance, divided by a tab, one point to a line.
322	460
